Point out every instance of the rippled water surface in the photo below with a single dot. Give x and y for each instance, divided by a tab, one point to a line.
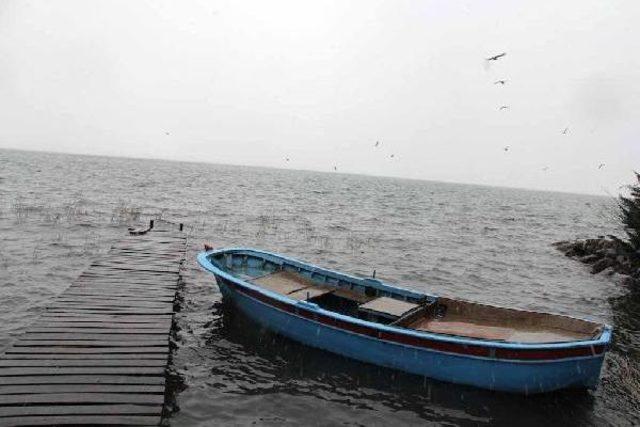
59	212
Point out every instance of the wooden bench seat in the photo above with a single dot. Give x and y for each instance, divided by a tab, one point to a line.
488	331
283	282
388	307
292	285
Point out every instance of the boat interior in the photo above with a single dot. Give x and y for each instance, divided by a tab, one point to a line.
371	300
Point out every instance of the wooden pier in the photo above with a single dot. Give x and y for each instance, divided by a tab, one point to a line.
98	355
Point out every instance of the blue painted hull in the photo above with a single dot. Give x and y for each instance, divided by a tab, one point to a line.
518	376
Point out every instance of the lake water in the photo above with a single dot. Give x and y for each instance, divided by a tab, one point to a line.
60	212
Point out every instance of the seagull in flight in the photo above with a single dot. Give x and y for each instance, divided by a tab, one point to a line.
503	107
286	159
500	82
166	133
506	148
335	168
392	156
601	165
377	143
498	56
546	168
564	132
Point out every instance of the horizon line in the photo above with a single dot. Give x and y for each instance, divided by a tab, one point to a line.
132	157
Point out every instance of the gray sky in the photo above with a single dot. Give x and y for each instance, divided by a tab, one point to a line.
320	82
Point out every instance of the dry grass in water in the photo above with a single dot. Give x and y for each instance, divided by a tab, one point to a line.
630	377
125	214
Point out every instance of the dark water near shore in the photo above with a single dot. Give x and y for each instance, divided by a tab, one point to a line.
59	212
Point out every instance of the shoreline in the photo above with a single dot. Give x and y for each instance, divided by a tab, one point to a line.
606	254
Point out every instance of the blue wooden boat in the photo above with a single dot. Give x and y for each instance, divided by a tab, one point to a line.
446	339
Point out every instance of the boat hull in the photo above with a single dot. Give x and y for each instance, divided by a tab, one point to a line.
517	376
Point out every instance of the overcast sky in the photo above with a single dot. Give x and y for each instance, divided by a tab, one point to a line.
255	82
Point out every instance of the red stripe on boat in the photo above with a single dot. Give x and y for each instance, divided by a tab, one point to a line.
422	342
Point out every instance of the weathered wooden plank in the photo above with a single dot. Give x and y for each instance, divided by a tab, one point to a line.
140	255
119	409
106	310
121	270
146	260
170	246
122	295
80	322
84	379
91	343
165	260
139	288
119	318
80	388
109	305
77	336
132	275
110	356
147	295
96	370
62	310
81	350
155	262
136	268
123	285
48	420
21	399
142	296
118	296
98	303
92	303
102	325
127	278
99	330
102	305
6	363
126	291
95	309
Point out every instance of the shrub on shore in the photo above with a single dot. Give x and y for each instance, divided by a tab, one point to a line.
630	214
611	253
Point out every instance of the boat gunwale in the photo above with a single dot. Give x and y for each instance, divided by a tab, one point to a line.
602	340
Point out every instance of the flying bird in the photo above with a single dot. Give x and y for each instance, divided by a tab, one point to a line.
377	143
166	133
546	168
564	132
495	58
500	82
601	165
503	107
335	168
506	148
286	159
392	156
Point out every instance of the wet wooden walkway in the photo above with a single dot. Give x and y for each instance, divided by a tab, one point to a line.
98	355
